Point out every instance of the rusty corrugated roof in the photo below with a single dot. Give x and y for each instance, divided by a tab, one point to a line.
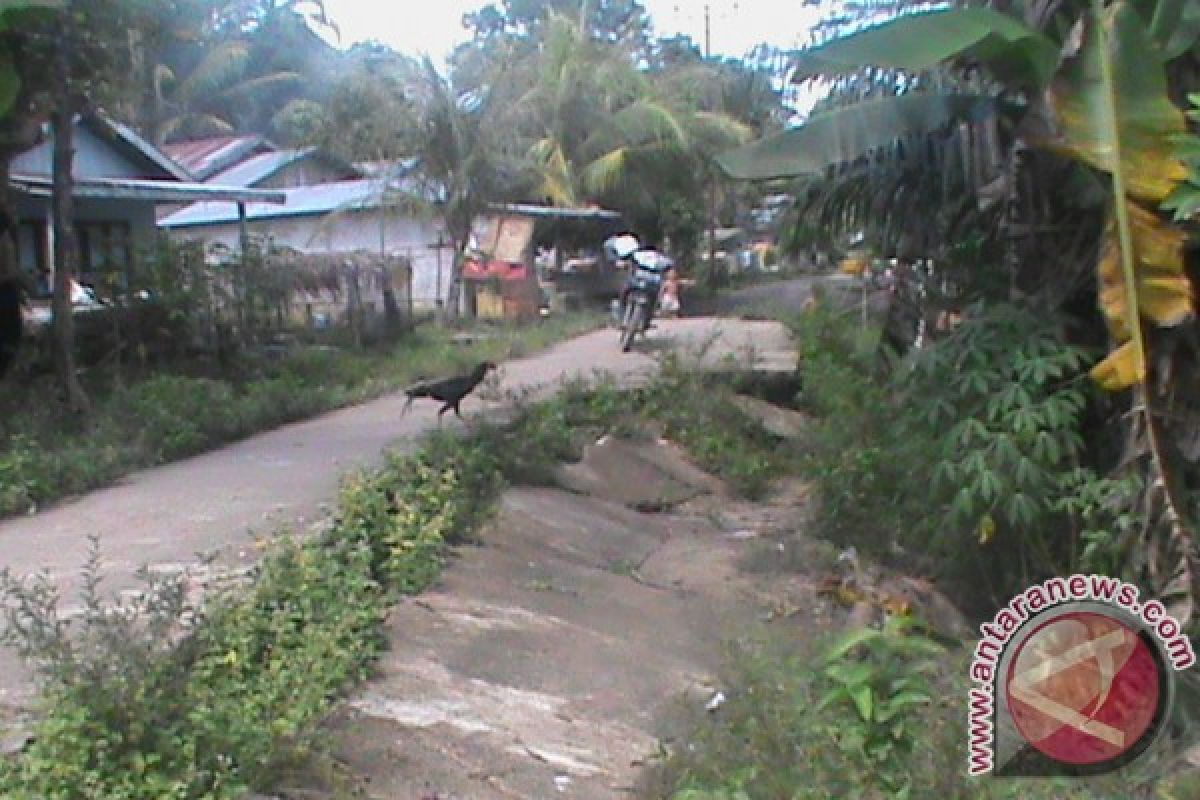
206	157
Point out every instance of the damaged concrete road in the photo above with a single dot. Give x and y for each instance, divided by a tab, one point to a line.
547	659
228	502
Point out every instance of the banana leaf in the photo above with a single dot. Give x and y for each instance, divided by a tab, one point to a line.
1114	112
848	133
1011	50
1145	120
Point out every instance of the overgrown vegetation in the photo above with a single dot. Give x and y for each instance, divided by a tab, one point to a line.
870	713
971	459
164	698
146	418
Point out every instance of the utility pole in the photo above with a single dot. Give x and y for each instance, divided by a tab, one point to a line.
438	246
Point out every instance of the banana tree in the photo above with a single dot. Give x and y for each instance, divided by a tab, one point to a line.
1104	89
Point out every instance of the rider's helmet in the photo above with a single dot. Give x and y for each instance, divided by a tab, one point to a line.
621	247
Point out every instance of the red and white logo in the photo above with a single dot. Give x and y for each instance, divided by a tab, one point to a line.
1085	689
1075	676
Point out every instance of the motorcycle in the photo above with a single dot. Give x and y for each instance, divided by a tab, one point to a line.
640	296
634	308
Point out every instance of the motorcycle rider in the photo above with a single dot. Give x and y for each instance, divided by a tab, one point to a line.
628	254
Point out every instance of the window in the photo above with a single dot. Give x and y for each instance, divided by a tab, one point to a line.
105	252
32	255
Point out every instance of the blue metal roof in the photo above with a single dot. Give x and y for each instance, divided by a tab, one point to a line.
259	167
303	201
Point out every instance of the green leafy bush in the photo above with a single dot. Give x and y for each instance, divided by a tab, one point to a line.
163	700
968	456
173	415
873	713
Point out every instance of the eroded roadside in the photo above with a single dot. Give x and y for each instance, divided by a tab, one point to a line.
548	658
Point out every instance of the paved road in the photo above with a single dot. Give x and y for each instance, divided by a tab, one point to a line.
217	502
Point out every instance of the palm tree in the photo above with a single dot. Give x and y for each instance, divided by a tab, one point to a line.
599	121
460	162
210	68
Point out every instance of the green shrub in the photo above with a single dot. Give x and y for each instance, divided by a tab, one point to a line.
24	475
872	714
171	415
968	455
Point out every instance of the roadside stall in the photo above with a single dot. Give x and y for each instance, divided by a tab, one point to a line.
498	275
526	260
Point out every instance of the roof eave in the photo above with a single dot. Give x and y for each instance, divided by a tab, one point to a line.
154	191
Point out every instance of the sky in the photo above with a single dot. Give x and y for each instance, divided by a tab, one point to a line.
435	26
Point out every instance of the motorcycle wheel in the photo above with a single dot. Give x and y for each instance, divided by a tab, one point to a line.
634	319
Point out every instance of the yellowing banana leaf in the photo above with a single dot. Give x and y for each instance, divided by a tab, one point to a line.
1114	111
1010	49
849	133
1164	292
1122	368
1145	118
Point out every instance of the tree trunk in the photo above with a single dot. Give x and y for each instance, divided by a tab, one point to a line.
19	131
66	250
11	322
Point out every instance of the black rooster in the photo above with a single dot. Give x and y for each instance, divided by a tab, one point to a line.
450	391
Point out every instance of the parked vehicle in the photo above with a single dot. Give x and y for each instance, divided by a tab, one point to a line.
83	300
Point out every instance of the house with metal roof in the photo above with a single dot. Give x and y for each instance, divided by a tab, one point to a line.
331	208
120	179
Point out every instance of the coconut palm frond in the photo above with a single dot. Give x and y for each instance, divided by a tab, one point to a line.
263	83
556	174
648	120
163	78
607	172
220	67
194	125
717	130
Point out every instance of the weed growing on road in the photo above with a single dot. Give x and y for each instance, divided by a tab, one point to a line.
706	421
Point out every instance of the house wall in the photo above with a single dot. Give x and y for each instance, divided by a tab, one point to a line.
350	231
305	172
35	242
94	158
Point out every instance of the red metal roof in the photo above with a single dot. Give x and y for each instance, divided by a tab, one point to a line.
203	157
